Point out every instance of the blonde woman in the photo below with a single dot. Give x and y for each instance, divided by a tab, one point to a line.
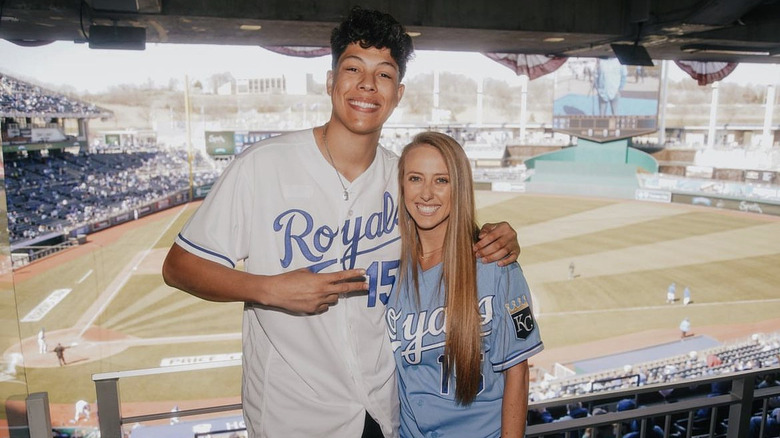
461	330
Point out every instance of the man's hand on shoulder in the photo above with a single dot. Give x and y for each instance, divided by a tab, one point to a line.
497	242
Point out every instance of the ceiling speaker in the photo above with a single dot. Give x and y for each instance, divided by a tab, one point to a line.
117	37
632	54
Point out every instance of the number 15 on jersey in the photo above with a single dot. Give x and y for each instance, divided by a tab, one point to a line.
381	276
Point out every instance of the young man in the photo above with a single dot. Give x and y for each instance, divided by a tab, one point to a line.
308	213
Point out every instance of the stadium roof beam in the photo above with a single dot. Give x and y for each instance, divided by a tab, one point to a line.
557	27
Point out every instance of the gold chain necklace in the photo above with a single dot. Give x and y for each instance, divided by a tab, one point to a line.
435	251
345	195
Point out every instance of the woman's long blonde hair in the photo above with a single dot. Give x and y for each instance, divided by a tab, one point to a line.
463	346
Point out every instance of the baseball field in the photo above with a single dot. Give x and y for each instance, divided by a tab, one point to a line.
105	301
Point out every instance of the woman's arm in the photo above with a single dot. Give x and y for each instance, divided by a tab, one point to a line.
514	408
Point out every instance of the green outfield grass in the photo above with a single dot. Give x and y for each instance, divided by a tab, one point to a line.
625	253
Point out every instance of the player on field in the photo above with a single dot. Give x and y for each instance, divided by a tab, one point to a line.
306	212
461	331
671	291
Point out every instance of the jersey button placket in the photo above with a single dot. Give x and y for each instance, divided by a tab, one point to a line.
351	357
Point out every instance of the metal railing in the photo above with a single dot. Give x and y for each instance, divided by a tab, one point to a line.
109	407
726	415
729	413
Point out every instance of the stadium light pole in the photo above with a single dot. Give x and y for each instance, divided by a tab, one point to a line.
662	106
766	140
189	134
713	116
523	106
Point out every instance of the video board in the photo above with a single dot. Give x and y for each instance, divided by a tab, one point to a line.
602	100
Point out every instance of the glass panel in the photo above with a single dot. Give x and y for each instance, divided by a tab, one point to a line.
13	381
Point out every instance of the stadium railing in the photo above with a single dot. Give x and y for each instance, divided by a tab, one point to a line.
110	418
728	415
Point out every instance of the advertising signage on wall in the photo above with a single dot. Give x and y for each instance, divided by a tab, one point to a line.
228	143
602	100
747	206
220	143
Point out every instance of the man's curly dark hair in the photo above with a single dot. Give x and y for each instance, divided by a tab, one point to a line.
371	28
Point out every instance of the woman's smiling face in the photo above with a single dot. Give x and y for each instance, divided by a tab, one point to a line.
427	190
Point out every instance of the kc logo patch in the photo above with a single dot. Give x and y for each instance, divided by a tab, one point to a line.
523	320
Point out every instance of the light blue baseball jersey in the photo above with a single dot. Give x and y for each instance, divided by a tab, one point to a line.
510	336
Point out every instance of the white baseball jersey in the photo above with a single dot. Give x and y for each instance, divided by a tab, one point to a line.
279	207
509	336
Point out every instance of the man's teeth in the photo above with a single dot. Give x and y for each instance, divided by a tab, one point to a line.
364	104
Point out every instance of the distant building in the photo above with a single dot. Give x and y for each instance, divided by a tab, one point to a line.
276	85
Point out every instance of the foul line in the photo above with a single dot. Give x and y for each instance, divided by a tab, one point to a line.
81	280
105	298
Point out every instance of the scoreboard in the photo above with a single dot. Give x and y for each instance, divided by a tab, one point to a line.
604	128
602	100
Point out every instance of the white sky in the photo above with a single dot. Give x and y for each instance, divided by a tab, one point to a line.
96	70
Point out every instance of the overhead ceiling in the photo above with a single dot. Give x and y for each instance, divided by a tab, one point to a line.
703	30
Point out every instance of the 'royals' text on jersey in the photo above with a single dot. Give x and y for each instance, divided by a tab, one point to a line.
359	237
417	334
425	331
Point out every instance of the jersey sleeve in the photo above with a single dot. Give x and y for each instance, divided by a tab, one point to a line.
218	230
516	335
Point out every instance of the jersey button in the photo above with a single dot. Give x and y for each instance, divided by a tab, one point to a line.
349	213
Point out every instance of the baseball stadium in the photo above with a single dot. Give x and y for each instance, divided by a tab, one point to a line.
653	268
117	313
599	269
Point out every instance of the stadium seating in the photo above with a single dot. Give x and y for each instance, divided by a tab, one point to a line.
59	192
762	351
758	352
24	98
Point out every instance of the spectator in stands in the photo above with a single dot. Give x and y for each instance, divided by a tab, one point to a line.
573	410
603	431
21	97
626	405
539	416
331	368
576	410
713	360
716	389
768	380
771	425
91	188
633	428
